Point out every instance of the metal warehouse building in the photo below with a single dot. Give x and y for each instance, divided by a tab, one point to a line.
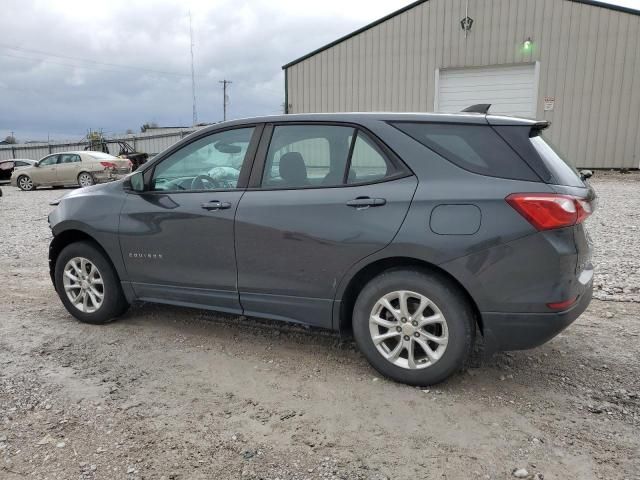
575	63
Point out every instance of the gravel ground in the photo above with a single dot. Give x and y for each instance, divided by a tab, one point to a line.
615	229
180	394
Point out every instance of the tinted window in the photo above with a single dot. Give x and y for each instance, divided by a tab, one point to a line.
368	164
22	164
477	148
302	156
563	173
210	163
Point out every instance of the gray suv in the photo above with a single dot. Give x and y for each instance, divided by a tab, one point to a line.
413	232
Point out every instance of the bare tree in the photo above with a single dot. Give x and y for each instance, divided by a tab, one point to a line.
10	139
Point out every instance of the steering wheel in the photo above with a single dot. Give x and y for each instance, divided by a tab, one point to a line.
204	182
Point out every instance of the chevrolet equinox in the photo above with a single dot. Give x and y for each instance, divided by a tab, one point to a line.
410	231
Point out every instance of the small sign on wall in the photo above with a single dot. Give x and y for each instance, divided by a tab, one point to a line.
549	103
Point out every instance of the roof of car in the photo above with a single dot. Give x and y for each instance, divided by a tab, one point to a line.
356	117
82	152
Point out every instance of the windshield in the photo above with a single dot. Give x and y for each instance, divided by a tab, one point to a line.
562	171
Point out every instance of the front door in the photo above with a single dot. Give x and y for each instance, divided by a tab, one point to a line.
327	196
46	171
177	239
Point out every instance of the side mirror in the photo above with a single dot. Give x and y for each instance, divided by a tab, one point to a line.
37	164
135	182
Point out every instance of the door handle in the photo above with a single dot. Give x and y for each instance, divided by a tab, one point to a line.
366	202
216	205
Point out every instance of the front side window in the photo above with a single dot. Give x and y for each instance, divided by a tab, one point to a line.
48	161
306	156
210	163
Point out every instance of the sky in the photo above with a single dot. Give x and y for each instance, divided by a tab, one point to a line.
66	68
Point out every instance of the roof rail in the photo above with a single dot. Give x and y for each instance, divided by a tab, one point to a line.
478	108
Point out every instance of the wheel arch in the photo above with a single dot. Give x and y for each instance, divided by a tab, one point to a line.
81	172
24	174
343	310
67	237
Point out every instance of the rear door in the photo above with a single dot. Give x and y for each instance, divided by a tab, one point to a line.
322	197
68	168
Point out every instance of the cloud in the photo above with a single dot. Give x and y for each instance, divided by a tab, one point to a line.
134	56
65	68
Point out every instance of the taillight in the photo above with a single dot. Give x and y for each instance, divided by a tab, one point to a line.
547	211
562	305
108	164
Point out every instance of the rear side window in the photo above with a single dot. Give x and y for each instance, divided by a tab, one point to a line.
563	173
368	164
320	155
476	148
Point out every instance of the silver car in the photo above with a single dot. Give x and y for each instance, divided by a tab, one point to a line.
83	168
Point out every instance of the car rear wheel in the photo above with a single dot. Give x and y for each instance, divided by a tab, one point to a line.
413	326
88	285
25	183
86	179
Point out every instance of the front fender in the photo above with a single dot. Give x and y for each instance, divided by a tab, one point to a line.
92	212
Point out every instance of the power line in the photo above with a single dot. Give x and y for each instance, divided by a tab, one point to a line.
80	59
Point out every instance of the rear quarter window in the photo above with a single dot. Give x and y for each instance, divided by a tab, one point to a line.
476	148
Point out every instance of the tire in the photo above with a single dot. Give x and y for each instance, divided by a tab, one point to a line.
113	303
25	183
450	321
85	179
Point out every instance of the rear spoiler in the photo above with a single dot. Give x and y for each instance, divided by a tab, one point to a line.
483	108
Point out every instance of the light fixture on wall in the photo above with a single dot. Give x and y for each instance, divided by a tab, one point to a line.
527	45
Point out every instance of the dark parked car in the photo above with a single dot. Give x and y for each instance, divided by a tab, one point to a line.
412	231
8	166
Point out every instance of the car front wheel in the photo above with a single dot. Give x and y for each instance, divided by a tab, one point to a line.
414	326
88	285
25	183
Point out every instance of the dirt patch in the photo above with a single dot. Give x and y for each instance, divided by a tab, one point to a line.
180	394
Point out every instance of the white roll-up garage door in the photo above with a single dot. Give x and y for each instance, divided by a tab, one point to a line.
511	90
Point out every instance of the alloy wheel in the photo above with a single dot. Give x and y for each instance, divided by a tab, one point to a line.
25	183
83	284
408	329
85	180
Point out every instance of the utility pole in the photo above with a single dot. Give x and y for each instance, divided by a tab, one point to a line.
193	75
225	98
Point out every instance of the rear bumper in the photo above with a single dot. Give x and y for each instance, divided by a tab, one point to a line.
520	331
